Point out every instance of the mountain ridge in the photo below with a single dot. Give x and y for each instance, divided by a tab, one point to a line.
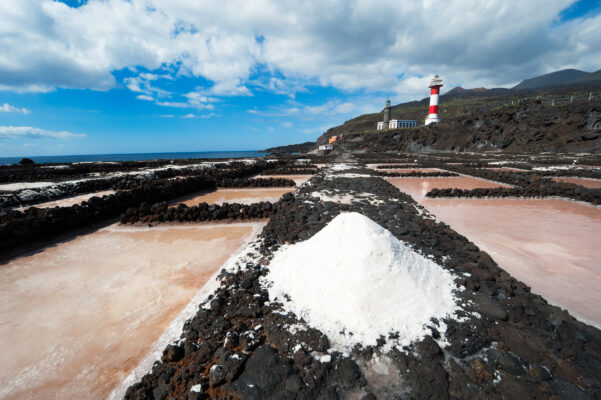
561	77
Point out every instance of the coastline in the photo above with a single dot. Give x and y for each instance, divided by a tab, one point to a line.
108	158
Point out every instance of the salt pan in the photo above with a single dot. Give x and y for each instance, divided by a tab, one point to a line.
356	282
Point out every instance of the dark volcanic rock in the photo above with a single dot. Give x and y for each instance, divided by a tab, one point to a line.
506	342
265	376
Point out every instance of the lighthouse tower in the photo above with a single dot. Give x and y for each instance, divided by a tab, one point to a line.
435	85
387	114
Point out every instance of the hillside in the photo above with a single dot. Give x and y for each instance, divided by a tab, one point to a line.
588	78
291	148
562	77
531	126
456	104
459	102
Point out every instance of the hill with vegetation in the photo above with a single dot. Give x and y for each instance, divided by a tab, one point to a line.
563	77
550	118
291	148
531	126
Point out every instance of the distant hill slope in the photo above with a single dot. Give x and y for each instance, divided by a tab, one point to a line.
563	77
459	104
588	78
531	126
291	148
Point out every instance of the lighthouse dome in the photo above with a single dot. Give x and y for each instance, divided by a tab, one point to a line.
435	81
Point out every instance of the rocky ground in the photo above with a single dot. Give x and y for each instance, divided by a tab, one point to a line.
505	343
21	230
529	126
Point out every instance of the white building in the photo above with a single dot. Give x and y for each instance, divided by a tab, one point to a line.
401	123
326	147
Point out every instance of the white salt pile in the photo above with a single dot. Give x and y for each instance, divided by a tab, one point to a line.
355	282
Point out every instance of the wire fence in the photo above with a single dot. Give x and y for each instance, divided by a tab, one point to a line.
553	100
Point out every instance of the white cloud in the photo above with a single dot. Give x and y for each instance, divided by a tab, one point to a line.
176	104
329	108
200	100
202	116
145	97
351	46
12	109
288	87
20	132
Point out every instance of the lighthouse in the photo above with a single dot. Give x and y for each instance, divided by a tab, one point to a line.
435	85
384	124
387	114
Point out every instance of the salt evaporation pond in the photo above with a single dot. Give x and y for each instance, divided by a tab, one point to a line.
550	244
418	187
586	182
77	317
409	170
69	201
12	187
242	196
507	169
298	179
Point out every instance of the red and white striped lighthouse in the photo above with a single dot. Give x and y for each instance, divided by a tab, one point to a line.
435	85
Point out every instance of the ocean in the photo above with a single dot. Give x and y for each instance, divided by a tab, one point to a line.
134	157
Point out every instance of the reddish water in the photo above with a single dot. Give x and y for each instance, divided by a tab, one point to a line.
71	200
550	244
243	196
79	316
375	166
408	170
508	169
418	187
588	183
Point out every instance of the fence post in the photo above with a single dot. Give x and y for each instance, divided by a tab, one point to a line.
571	98
590	96
553	102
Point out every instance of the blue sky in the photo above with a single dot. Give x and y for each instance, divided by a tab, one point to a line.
133	76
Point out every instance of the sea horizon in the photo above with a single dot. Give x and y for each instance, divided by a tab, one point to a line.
133	156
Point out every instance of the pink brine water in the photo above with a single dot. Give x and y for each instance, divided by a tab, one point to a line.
79	316
550	244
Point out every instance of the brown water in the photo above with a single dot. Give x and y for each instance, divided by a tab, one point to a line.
79	316
67	202
507	169
550	244
418	187
375	166
243	196
587	183
408	170
298	179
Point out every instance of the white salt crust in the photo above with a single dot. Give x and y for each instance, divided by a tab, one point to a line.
356	282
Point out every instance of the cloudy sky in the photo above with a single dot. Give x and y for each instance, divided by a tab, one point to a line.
116	76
